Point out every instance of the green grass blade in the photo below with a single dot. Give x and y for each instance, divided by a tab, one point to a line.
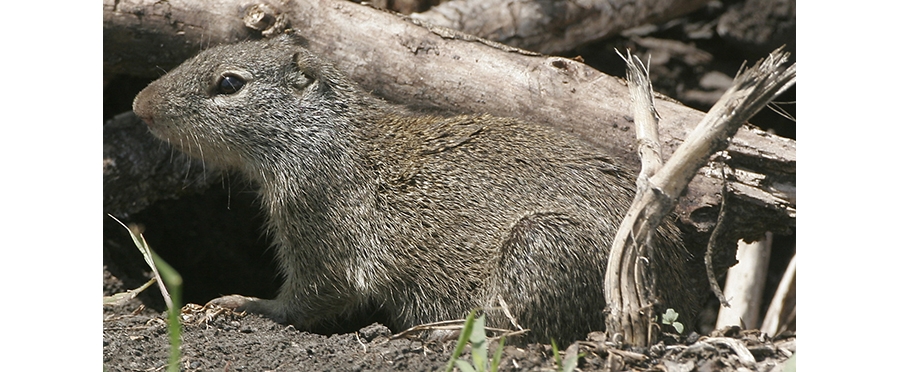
556	356
144	248
463	338
570	363
165	275
495	362
478	339
171	276
123	297
464	366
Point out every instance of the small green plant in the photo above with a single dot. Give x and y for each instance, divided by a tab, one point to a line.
670	318
564	365
167	277
473	332
791	364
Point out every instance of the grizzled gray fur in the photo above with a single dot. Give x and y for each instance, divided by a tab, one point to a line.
421	216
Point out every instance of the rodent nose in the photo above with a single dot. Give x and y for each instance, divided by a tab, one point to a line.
147	120
142	106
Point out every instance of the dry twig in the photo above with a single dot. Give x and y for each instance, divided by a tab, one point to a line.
627	278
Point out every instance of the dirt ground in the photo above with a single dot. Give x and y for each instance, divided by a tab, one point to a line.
691	62
136	339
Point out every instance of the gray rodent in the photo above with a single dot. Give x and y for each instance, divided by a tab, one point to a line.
424	217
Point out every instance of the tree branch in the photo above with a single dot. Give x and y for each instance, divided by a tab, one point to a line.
627	280
552	26
396	58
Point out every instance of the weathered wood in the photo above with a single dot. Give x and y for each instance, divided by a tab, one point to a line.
147	38
782	313
628	286
760	25
549	26
397	58
745	284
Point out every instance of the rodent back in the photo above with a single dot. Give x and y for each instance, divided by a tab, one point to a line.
369	192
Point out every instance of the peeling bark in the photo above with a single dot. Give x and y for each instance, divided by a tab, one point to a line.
399	59
549	26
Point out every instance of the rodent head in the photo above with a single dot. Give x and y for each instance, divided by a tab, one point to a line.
243	105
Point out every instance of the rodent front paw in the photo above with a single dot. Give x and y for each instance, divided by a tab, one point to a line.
233	302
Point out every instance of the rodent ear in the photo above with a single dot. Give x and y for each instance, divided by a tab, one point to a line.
306	74
294	37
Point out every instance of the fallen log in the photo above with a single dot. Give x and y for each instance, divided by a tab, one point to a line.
552	26
407	61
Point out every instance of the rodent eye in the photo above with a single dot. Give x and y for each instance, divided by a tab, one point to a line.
230	84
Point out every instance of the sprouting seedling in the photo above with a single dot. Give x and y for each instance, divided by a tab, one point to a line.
164	274
569	363
670	318
473	332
